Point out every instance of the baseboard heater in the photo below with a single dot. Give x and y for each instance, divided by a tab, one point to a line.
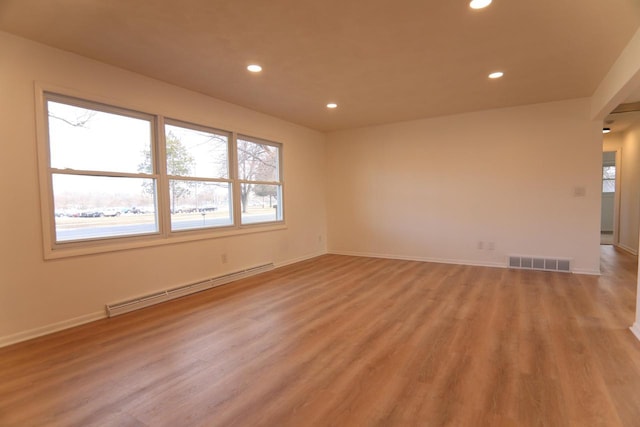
545	264
158	297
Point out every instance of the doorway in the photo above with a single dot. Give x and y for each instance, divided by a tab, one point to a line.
607	217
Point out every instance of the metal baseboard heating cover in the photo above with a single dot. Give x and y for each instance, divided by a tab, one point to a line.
122	307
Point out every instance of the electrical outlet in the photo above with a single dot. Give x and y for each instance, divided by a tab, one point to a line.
223	258
480	245
491	246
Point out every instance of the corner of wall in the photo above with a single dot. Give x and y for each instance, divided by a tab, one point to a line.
635	328
51	328
622	78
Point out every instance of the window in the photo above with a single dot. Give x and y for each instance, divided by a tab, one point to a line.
97	188
114	173
200	189
608	179
260	180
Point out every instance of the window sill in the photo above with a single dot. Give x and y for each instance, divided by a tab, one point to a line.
104	246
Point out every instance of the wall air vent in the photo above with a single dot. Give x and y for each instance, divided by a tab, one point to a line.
536	263
158	297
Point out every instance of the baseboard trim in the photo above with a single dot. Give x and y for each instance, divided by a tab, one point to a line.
587	272
421	259
49	329
635	328
626	249
446	261
299	259
92	317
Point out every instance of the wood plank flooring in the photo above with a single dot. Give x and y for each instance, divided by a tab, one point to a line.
347	341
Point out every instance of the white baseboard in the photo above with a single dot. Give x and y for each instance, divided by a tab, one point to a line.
49	329
588	272
422	259
636	330
626	248
299	259
70	323
446	261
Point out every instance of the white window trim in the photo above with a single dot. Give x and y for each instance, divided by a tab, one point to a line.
614	179
54	250
166	177
240	181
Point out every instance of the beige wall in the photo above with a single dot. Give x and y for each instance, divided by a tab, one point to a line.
432	189
613	142
628	143
621	80
38	296
427	189
631	180
631	169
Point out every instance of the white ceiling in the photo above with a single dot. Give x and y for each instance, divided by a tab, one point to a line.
380	60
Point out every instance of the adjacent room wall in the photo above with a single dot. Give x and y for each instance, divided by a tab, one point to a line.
38	296
631	180
612	142
470	188
629	217
623	77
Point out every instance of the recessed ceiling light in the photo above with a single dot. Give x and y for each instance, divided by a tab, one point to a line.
479	4
332	105
606	130
254	68
496	75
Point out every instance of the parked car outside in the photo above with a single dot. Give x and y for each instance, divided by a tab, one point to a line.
111	212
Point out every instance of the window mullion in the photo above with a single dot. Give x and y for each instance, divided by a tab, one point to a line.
248	181
196	178
160	165
233	169
101	173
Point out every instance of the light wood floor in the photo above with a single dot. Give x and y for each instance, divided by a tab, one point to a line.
348	341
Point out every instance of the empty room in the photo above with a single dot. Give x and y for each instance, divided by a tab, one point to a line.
293	213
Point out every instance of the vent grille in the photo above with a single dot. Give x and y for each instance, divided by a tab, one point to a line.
158	297
545	264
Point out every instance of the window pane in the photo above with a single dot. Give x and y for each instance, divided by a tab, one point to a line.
204	204
196	153
608	186
609	172
85	139
89	207
260	203
257	162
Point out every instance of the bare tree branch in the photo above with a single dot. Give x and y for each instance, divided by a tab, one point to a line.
80	121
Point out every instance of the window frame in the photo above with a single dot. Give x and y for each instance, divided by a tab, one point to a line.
280	182
51	171
53	249
229	180
604	179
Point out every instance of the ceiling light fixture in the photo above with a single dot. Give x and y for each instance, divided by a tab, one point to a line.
606	130
496	75
479	4
254	68
332	105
